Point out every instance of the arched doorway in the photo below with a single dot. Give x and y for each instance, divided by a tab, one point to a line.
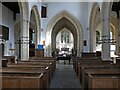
64	20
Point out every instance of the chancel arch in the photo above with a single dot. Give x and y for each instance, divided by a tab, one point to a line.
64	20
63	25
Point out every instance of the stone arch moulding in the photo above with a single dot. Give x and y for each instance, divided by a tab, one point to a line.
37	20
92	24
74	21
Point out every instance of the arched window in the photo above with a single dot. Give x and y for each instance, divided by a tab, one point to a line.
65	35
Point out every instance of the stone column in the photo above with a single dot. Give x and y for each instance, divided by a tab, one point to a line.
24	40
105	38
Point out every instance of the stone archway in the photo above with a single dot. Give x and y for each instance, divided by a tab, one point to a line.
78	35
36	24
63	23
93	20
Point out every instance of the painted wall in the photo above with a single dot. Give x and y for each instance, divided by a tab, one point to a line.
7	20
33	3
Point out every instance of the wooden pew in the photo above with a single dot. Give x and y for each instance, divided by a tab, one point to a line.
4	62
97	66
75	62
102	73
34	65
89	54
86	56
37	63
6	59
30	70
9	58
93	64
17	78
78	60
47	62
108	81
44	59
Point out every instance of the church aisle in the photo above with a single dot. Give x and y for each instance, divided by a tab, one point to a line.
64	77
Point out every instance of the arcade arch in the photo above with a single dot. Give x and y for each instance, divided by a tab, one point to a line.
56	24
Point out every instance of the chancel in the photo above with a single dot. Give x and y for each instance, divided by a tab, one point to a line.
64	44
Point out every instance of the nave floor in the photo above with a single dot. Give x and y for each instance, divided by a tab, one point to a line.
64	77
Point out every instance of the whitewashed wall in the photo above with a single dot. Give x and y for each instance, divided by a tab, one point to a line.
7	20
33	3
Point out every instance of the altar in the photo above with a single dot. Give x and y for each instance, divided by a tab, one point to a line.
64	57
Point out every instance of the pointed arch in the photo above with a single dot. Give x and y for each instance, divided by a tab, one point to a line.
93	20
24	10
75	22
37	24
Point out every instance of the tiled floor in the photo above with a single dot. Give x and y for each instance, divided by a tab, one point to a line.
64	76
